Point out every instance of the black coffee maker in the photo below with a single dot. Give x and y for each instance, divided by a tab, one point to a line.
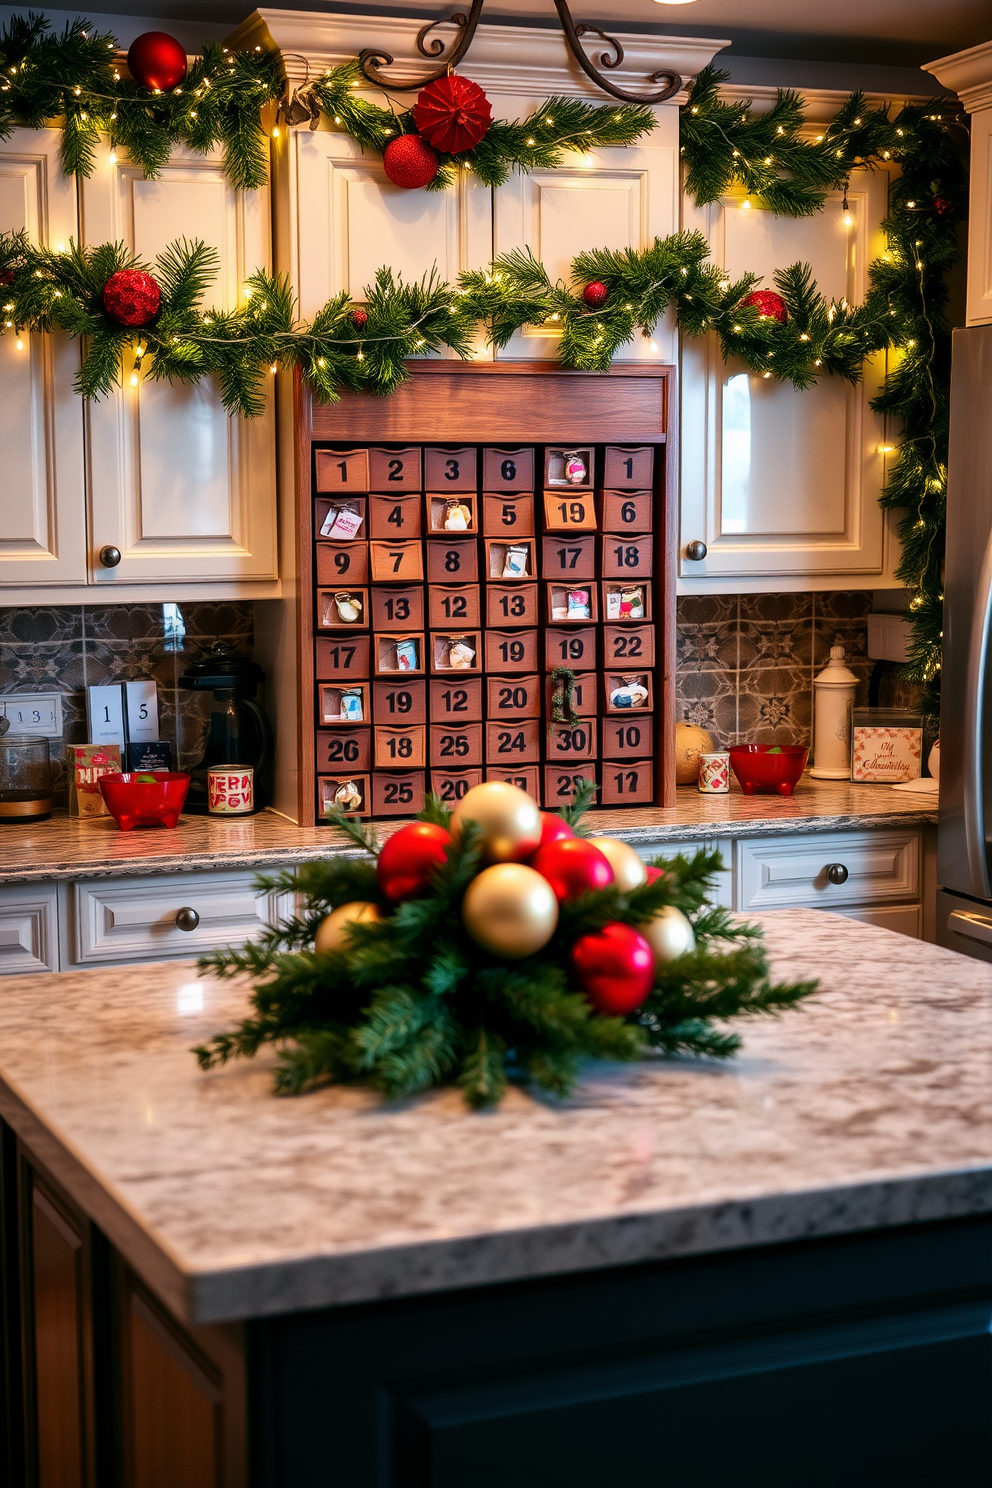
239	732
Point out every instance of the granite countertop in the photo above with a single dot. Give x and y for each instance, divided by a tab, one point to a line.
72	848
870	1106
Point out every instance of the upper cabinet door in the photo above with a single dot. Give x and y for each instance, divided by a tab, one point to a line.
43	506
777	482
182	489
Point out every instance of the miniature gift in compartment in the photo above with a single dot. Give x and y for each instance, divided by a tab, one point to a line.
625	602
510	560
349	793
344	704
572	603
568	466
451	513
456	653
341	608
342	521
399	653
628	691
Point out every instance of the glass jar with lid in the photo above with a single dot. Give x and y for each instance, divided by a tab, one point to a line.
25	779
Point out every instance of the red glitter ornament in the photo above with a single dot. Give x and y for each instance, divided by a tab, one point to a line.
769	305
614	968
156	60
359	318
453	114
409	162
594	294
131	297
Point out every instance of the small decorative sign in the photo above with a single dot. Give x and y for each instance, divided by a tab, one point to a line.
884	750
230	790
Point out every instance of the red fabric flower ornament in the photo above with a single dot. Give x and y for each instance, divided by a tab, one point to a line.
453	114
131	297
768	304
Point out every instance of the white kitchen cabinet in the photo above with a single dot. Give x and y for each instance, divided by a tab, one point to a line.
28	929
969	75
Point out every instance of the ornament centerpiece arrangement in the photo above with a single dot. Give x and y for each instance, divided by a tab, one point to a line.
493	943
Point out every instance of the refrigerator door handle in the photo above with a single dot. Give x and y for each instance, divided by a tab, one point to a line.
974	733
974	926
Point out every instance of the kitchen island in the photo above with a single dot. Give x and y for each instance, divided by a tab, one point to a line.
776	1271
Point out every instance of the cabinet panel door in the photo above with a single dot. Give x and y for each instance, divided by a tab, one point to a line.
185	491
58	1345
775	481
980	220
28	929
43	510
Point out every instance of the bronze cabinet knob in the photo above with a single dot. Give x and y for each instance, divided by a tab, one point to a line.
110	556
837	873
187	918
696	550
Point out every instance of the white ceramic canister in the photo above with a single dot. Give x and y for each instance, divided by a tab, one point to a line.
833	698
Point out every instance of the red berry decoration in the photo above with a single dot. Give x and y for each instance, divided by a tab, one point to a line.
408	859
131	297
409	162
769	305
594	294
614	967
157	60
571	865
453	114
359	318
553	829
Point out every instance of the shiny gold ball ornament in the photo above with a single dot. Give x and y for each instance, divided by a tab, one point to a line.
669	935
510	910
510	820
690	743
332	932
629	868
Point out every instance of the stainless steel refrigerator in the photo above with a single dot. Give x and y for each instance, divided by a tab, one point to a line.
964	838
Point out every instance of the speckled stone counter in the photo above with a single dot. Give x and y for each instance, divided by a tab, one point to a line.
66	848
870	1107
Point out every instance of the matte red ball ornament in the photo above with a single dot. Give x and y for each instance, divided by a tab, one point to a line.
157	60
769	305
614	967
409	161
942	206
453	114
131	297
553	828
572	866
408	859
594	294
359	318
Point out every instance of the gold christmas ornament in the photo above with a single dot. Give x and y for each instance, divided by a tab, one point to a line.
629	871
510	820
690	743
510	910
332	931
669	935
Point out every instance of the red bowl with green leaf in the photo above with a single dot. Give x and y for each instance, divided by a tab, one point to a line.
764	768
143	798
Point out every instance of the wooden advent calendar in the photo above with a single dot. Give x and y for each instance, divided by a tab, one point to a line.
462	542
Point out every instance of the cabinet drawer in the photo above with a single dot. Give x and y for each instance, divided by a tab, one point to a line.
28	929
904	919
135	918
779	872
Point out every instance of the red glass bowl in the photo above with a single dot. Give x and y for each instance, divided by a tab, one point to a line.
141	799
758	769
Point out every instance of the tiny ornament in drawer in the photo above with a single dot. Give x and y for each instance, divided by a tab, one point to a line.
886	745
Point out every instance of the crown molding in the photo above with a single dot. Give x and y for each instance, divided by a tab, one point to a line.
968	74
822	104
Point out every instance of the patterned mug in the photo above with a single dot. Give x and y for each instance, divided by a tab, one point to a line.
714	774
230	790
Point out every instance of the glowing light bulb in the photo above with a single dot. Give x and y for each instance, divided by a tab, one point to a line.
847	220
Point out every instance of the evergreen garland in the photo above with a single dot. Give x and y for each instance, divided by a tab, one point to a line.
416	1003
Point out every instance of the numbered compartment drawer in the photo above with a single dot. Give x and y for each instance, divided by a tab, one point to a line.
342	658
451	468
570	648
344	748
511	651
455	603
573	741
456	701
774	872
569	466
342	609
452	513
400	793
453	561
398	654
627	511
341	470
627	738
628	645
507	469
560	783
510	515
514	743
627	556
342	519
349	793
398	560
513	697
511	560
511	604
456	744
573	603
395	469
450	785
569	557
524	777
395	517
346	563
398	607
404	747
338	705
564	512
628	692
627	784
628	466
456	651
626	603
400	702
584	694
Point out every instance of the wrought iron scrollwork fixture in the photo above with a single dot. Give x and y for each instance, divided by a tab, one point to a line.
670	82
372	61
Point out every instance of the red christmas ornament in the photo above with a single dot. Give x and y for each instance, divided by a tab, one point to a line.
594	294
614	967
7	276
408	859
942	206
571	865
409	161
453	114
359	318
653	874
553	829
769	305
131	297
156	60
